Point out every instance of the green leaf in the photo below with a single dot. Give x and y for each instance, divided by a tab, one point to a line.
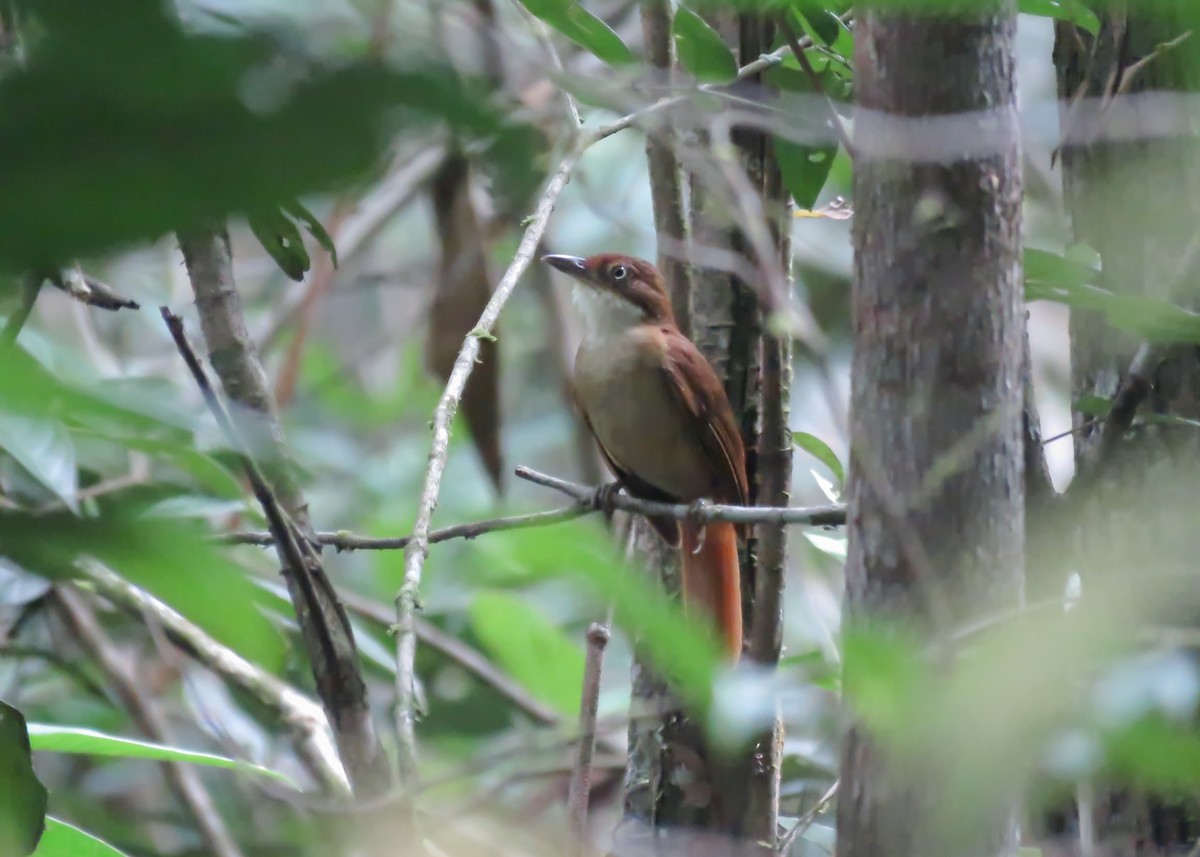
1049	276
44	448
820	450
22	796
314	227
88	742
172	560
1074	11
279	236
531	648
65	840
823	23
583	28
208	472
701	49
582	550
1093	406
202	127
805	168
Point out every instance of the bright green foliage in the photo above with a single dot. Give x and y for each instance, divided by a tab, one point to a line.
66	840
701	49
22	796
582	27
820	450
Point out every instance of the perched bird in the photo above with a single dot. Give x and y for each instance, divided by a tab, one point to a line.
662	420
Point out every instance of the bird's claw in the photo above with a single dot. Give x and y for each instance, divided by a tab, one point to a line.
696	514
603	496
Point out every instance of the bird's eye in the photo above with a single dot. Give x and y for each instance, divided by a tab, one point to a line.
619	272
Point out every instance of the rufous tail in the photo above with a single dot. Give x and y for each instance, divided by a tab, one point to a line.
712	580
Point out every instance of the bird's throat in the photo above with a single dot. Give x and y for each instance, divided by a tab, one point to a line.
604	314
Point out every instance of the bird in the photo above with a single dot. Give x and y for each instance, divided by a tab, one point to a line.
663	423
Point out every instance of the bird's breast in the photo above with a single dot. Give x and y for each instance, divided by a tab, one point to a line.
622	386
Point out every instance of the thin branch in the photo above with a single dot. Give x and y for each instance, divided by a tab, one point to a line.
471	660
304	718
90	291
418	548
806	821
579	789
543	38
344	541
323	622
183	779
835	118
701	513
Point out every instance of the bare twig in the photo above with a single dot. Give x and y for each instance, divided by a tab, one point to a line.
324	626
701	513
543	37
466	657
90	291
835	118
805	821
184	781
344	541
303	717
579	790
417	549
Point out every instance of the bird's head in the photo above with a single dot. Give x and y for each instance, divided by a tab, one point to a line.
615	292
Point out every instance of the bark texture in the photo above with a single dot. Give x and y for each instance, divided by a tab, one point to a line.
936	518
680	796
324	626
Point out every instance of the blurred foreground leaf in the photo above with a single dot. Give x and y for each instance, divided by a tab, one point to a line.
67	739
701	49
583	28
123	126
22	796
65	840
44	449
536	652
170	559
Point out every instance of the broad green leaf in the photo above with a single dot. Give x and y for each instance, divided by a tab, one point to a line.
582	551
1074	11
208	472
22	796
701	49
536	652
1093	406
172	560
315	228
44	448
805	168
822	22
147	95
279	236
820	450
88	742
582	27
66	840
1049	276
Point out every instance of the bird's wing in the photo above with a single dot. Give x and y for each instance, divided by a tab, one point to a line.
698	389
668	528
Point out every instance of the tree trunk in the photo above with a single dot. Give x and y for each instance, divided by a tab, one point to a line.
673	780
936	519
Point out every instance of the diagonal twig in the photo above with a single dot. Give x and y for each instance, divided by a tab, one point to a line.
366	768
579	789
835	118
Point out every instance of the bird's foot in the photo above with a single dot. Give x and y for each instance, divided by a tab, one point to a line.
603	497
698	514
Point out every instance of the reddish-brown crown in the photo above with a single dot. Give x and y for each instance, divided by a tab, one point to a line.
633	280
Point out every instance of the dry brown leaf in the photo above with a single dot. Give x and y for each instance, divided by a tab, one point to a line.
463	289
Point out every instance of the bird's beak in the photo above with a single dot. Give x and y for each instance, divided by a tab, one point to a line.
573	265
